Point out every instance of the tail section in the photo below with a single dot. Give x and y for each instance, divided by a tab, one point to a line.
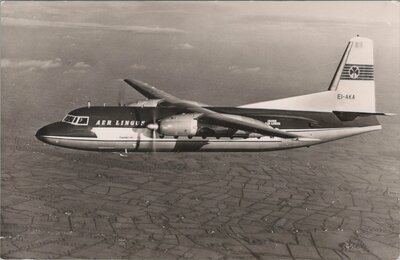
352	88
354	79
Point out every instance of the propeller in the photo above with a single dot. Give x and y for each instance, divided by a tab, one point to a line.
153	127
121	96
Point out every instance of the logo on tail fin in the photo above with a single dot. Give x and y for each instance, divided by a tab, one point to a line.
354	71
358	72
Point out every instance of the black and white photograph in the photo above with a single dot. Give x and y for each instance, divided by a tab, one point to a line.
200	130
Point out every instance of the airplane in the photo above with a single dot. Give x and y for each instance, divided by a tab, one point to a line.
165	123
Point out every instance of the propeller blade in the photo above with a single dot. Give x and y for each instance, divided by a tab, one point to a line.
121	96
153	142
153	127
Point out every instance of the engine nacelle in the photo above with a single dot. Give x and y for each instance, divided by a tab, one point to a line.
179	125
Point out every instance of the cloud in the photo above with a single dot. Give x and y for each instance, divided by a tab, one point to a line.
184	46
238	70
81	65
74	71
9	21
320	14
255	69
67	37
138	67
31	64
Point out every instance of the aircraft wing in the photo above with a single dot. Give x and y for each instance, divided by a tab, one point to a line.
227	120
151	92
146	90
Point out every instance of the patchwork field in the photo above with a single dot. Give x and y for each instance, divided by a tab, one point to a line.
334	201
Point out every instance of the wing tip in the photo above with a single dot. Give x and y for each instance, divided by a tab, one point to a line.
135	81
389	114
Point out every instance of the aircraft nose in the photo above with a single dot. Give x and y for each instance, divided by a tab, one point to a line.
57	133
45	133
42	132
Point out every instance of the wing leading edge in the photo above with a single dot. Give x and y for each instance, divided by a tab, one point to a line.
226	120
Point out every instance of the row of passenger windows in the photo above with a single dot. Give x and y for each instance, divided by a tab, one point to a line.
76	120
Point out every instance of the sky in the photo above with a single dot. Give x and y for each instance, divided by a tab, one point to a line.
55	56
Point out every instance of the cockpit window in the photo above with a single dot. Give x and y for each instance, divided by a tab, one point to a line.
83	121
68	119
76	120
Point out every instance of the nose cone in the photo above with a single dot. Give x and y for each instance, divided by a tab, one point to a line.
62	134
48	132
42	133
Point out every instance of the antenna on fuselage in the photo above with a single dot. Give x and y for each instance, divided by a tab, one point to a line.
88	104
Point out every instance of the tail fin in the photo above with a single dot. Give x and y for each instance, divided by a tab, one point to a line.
353	81
352	88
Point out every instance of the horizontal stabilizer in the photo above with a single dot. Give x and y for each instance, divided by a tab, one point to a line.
367	113
350	115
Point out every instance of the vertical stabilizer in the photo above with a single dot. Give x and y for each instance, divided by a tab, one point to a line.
354	79
352	88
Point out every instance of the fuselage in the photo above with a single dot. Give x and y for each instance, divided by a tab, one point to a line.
126	129
165	122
